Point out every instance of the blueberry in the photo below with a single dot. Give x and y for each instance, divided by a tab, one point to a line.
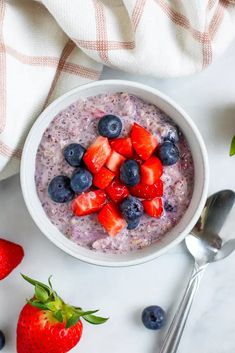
172	135
130	173
133	223
169	207
131	208
59	189
81	180
2	340
153	317
110	126
73	154
168	153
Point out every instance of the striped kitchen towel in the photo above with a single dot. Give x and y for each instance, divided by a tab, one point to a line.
50	46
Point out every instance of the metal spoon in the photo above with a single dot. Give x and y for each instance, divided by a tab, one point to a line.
208	242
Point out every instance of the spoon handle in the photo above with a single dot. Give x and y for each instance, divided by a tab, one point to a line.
174	333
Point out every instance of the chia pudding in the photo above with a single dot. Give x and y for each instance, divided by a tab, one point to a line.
78	124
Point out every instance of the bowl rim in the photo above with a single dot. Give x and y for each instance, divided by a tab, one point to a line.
188	227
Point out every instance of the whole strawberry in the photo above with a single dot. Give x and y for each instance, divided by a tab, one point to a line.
11	255
48	325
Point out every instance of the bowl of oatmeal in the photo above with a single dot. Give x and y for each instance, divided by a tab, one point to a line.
114	173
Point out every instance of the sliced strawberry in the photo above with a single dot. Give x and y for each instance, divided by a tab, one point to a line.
143	142
111	219
122	145
117	191
103	178
115	161
137	158
97	154
88	202
153	208
147	192
151	170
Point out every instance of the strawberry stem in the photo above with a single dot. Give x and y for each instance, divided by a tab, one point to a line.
45	298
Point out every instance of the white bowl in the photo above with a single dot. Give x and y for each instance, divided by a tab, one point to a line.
175	235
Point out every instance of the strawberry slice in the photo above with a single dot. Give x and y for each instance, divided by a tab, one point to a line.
117	191
97	154
122	145
115	161
111	219
103	178
88	202
143	142
153	208
147	192
151	170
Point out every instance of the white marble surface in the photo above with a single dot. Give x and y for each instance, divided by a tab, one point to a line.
209	98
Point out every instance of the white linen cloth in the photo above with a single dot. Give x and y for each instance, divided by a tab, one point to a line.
50	46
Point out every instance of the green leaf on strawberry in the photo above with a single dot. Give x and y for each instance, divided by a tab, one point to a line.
95	320
232	148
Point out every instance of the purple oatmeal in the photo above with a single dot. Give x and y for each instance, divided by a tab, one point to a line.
78	123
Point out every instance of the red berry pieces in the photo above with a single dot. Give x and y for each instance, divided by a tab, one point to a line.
117	191
143	142
151	170
123	146
115	161
147	192
111	219
11	255
103	178
97	154
153	208
88	202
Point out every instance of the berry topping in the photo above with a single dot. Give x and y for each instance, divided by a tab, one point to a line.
103	178
153	317
73	154
11	255
88	202
114	161
110	126
131	208
2	340
153	207
97	154
151	170
172	135
81	180
122	146
130	173
48	324
169	207
168	153
143	142
148	192
111	219
117	191
59	189
133	223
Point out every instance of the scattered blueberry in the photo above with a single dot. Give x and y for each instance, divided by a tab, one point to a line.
153	317
73	154
131	208
172	135
168	153
81	180
110	126
168	207
59	189
2	340
133	223
130	172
